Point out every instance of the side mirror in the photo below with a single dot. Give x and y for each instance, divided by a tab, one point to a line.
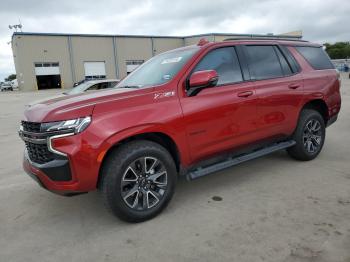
200	80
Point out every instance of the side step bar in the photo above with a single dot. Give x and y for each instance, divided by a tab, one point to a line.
203	171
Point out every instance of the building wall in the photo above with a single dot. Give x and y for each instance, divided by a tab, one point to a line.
88	49
31	49
220	38
71	51
132	48
161	45
193	40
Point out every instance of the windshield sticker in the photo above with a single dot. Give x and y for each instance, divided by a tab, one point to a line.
171	60
166	77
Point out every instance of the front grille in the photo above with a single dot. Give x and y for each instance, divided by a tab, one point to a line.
31	126
39	153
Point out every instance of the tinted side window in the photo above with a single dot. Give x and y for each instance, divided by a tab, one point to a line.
112	84
225	62
263	62
94	87
316	57
285	66
290	58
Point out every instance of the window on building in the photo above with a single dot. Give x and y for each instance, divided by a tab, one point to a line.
225	62
131	65
263	62
316	57
95	77
46	64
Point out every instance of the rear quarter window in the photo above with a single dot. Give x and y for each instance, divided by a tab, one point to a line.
316	57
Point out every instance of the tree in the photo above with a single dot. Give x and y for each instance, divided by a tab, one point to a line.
11	77
339	50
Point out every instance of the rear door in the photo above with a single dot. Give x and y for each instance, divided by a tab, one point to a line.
221	117
279	88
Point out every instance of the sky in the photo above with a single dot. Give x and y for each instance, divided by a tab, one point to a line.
320	20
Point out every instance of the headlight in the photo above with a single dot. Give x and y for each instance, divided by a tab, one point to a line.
75	125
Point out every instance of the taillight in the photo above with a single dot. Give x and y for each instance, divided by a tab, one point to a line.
339	77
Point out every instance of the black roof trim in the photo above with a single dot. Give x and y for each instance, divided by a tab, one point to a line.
246	35
267	38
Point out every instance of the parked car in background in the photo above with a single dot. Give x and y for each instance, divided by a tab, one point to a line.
14	83
191	111
80	82
6	86
93	85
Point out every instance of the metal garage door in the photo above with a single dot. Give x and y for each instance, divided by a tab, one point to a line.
95	70
47	75
45	69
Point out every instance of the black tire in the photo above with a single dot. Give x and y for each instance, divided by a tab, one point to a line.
306	138
132	158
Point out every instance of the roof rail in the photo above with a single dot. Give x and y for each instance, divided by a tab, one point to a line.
267	38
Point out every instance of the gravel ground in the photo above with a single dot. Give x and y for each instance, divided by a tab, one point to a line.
270	209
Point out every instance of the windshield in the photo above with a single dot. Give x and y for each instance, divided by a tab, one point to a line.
159	69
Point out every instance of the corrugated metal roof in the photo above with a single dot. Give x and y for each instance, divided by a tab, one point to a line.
151	36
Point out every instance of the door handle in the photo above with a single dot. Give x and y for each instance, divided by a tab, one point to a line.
293	86
245	94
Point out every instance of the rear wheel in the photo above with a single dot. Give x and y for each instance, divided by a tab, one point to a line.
309	136
138	180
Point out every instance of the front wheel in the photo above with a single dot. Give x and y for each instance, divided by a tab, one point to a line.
138	180
309	136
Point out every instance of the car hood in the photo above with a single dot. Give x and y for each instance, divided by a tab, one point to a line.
72	106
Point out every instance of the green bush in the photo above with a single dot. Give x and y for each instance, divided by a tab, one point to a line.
339	50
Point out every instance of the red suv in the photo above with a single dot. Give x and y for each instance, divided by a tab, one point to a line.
191	111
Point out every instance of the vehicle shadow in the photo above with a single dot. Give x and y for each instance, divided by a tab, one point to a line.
89	211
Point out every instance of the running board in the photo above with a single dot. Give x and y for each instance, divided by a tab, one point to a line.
203	171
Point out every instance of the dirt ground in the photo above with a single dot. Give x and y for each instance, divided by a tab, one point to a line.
270	209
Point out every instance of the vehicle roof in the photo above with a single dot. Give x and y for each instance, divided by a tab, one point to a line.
294	42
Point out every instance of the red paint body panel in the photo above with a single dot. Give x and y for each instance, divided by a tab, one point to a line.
201	126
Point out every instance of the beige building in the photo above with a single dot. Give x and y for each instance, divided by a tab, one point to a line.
49	60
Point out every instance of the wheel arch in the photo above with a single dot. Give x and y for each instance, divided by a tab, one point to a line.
320	106
158	137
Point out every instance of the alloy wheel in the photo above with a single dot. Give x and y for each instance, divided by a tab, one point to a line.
312	136
144	183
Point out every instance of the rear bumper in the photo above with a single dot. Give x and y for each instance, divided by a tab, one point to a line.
332	120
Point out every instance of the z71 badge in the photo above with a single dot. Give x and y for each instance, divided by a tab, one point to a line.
164	95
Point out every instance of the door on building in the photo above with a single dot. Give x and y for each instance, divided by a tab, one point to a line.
95	70
48	75
131	65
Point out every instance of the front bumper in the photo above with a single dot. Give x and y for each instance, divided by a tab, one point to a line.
71	168
50	175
